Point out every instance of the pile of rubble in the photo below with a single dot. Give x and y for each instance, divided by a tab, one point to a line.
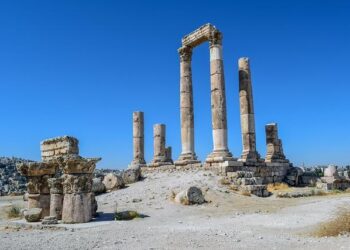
11	182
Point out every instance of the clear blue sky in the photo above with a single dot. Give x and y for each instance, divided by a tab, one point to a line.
82	67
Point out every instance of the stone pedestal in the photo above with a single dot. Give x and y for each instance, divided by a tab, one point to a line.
138	141
159	150
249	153
77	189
274	152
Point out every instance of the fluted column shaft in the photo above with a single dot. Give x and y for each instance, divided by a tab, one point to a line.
186	105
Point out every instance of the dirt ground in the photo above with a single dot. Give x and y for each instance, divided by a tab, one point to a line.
227	221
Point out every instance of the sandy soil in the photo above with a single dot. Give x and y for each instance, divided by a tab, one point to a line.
227	221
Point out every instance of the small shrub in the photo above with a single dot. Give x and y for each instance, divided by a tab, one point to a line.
127	215
14	212
338	225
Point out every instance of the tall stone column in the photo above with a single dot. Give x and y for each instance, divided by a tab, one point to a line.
188	155
247	112
160	154
138	140
218	100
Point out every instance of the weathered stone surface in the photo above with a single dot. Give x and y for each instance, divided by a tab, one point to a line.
55	185
94	205
73	164
40	201
138	140
56	205
274	151
112	182
33	214
77	208
131	175
37	168
247	112
98	187
160	156
49	220
192	195
59	146
77	183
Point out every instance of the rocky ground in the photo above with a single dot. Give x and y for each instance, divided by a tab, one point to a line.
227	221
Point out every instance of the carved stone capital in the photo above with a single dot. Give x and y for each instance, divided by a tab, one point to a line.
55	185
37	168
77	183
185	53
72	164
38	185
215	38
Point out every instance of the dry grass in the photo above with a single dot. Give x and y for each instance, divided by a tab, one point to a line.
13	212
272	187
339	225
245	193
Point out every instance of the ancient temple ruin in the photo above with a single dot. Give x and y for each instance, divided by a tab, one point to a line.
61	184
220	151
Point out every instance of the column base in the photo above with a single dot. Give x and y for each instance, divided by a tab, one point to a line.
187	159
250	156
219	156
159	164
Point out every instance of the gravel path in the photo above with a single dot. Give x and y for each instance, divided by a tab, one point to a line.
227	221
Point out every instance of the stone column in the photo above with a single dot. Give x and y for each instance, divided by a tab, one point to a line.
159	149
56	197
274	152
188	155
247	112
218	100
77	188
138	140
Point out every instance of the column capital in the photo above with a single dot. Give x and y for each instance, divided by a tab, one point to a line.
185	53
215	38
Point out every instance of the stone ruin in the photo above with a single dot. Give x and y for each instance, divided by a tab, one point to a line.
61	184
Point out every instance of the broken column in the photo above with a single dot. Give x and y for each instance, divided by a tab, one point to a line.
218	100
56	197
38	174
249	153
159	149
78	198
138	141
274	152
188	156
